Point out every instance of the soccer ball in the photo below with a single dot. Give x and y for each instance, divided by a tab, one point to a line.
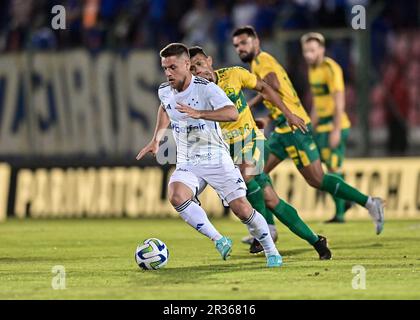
152	254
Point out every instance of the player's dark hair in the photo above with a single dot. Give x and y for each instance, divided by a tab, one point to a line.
313	36
174	49
193	51
249	30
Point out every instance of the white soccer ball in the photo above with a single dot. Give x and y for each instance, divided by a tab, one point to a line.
152	254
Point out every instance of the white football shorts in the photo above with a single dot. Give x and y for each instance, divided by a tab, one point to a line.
225	179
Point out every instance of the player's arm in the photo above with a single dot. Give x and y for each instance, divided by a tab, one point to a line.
224	114
255	100
162	123
272	80
274	83
222	108
268	93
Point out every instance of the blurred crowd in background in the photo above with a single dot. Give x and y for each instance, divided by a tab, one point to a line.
151	24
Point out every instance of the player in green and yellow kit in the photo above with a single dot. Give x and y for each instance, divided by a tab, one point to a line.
246	143
328	114
285	141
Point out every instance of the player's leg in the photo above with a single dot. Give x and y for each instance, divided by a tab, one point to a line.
280	146
228	182
257	227
341	152
181	190
255	196
332	159
180	196
306	158
249	156
251	166
289	216
273	152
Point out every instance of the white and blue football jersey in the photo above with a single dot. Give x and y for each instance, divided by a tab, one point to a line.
197	140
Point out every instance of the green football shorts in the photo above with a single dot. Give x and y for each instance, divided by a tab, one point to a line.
333	158
298	146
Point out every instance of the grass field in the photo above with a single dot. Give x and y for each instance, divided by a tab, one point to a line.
98	257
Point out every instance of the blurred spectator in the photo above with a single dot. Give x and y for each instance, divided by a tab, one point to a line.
90	13
265	17
377	101
222	30
196	24
43	39
413	79
332	13
156	22
397	102
20	18
244	13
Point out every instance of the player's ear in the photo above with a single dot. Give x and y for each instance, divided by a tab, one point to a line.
257	42
210	61
188	64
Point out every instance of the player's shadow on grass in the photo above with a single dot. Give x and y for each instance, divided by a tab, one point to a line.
45	259
284	253
195	274
295	252
29	259
375	245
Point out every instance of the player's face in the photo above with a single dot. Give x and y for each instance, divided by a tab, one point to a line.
245	47
202	66
176	70
313	52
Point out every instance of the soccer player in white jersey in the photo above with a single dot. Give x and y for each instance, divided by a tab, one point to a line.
193	107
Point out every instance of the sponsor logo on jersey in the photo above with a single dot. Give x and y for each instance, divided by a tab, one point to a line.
188	129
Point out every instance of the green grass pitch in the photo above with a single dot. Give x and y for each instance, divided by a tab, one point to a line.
98	257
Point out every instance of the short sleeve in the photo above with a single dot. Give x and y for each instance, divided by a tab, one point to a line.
264	66
161	92
160	97
248	80
335	79
217	97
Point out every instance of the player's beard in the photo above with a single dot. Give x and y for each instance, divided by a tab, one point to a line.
248	57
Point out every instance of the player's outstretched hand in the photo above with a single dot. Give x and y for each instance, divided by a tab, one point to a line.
152	147
295	121
193	113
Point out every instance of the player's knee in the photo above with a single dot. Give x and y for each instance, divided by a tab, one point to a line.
247	177
271	203
241	208
248	171
271	200
177	198
314	181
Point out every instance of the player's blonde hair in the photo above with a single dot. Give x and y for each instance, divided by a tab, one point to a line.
313	36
